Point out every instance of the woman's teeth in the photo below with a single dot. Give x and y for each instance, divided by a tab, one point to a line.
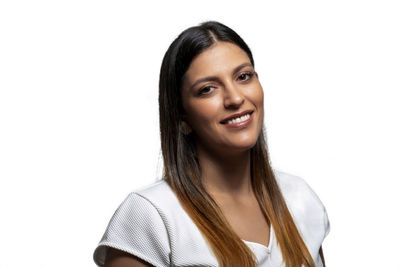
237	120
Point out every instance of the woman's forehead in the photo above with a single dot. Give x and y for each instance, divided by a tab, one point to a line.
219	59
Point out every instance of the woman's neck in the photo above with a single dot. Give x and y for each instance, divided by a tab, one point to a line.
226	176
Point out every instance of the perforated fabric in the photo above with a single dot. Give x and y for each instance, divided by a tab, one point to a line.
152	225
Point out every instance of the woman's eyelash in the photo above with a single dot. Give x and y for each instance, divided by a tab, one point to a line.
248	74
201	91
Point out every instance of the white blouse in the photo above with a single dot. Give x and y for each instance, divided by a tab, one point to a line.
152	225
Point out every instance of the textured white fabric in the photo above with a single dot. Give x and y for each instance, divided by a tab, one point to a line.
152	225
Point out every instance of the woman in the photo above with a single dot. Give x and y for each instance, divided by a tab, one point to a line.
220	203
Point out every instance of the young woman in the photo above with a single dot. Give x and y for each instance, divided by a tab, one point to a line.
219	203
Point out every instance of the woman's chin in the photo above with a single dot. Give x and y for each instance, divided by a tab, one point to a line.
242	146
229	146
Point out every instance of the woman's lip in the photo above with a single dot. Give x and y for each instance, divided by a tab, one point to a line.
242	124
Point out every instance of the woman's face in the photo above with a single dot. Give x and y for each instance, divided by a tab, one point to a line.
221	83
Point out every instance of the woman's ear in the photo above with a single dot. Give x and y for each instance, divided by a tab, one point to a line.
184	127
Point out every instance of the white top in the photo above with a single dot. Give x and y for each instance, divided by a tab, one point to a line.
152	225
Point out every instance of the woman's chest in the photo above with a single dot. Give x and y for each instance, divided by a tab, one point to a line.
247	220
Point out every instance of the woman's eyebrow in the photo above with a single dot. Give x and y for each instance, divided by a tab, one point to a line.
205	79
215	78
241	66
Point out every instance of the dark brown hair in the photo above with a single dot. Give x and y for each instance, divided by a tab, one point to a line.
182	170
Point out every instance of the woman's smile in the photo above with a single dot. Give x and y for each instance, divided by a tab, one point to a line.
239	121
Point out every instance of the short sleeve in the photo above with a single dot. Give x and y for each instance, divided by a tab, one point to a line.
319	262
326	224
325	219
138	229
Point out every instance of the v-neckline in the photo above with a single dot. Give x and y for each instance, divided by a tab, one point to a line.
268	248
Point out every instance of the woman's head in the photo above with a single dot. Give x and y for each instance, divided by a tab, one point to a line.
207	76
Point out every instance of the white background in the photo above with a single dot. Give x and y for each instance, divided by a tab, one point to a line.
79	115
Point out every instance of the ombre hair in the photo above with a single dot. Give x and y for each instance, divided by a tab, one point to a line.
183	173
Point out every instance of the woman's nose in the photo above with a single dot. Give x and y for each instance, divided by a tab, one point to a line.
232	97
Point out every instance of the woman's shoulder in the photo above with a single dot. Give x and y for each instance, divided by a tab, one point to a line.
307	209
137	218
149	223
295	189
155	190
158	194
154	202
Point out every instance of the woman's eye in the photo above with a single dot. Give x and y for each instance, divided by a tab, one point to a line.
245	76
205	90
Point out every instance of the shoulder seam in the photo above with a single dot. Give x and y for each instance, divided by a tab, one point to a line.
164	220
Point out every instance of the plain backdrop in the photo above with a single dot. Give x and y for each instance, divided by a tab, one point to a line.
79	115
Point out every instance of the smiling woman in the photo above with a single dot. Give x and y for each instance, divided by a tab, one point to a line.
219	203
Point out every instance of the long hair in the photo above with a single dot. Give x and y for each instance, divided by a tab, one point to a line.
182	170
